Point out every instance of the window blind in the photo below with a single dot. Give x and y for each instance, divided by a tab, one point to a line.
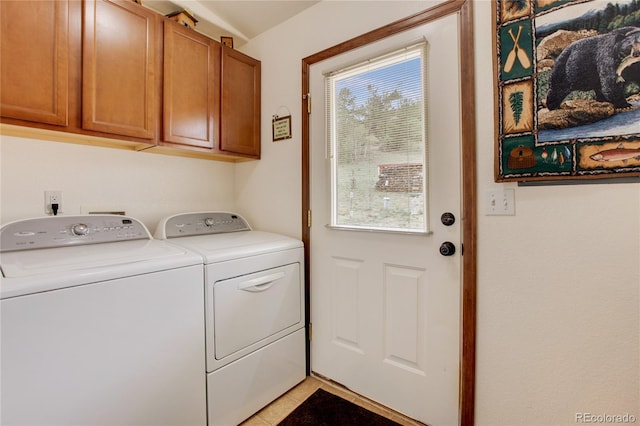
376	130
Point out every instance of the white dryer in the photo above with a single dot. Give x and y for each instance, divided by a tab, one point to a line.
101	325
254	309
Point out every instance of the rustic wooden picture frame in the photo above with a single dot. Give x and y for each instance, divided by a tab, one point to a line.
560	119
227	41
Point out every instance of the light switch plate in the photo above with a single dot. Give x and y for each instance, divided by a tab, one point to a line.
500	202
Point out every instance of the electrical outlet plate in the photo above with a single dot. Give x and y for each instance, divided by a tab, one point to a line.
52	197
501	203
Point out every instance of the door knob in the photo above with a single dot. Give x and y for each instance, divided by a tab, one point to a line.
447	248
448	219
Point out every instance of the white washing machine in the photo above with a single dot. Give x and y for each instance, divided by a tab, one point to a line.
254	309
101	325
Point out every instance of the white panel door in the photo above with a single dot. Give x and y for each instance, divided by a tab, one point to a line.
385	307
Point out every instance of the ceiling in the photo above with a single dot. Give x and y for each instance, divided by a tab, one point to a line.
240	19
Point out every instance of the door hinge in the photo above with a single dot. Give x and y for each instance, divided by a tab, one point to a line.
309	331
308	218
308	98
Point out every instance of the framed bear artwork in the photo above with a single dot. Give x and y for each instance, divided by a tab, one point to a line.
567	99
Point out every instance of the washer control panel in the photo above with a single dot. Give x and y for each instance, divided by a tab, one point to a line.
61	231
202	223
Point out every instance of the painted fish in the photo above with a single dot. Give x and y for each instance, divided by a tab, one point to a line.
620	153
626	62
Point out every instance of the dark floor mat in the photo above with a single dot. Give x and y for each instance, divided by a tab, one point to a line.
323	408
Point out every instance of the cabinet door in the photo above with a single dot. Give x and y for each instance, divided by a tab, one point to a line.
35	61
118	68
240	103
191	96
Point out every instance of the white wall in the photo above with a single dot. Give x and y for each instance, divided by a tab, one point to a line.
558	291
148	186
558	285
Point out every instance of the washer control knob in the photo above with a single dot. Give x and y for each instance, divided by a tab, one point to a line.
79	229
209	221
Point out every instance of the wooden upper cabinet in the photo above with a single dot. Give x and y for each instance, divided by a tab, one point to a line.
35	61
240	103
117	71
191	97
119	68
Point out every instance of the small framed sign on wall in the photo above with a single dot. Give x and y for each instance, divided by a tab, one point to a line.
281	128
567	89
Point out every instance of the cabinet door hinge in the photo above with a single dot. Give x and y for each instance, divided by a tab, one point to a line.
308	218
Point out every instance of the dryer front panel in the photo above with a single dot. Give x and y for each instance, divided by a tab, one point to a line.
251	308
252	302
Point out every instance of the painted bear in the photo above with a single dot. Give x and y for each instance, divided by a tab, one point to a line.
592	64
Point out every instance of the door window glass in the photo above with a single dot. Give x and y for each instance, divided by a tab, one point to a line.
376	130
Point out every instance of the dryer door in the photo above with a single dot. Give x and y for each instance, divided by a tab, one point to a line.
255	309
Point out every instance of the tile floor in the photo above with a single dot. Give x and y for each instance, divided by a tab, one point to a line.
279	409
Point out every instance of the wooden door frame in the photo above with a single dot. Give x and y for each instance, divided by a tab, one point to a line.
469	190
